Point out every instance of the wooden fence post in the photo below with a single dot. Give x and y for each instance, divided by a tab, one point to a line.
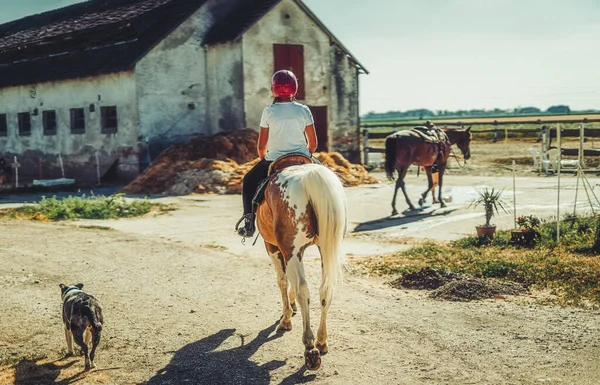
495	131
365	147
580	157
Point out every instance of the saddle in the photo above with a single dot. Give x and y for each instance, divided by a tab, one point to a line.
278	165
431	135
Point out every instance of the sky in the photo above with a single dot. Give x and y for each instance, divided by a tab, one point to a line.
455	54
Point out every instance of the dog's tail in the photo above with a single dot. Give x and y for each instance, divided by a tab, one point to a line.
94	319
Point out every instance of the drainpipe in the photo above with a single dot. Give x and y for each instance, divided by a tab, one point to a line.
358	132
207	121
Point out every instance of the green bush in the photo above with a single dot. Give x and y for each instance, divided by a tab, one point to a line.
92	207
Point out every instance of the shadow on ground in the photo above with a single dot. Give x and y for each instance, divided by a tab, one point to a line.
203	362
408	216
30	372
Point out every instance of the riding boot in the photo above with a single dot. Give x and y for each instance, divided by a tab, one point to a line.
248	229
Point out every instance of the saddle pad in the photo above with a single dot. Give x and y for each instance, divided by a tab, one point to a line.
431	135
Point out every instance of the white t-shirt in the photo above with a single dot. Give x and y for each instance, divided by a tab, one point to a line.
286	123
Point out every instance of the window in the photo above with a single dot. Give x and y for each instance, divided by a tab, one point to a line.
77	121
109	119
49	121
24	123
3	125
291	57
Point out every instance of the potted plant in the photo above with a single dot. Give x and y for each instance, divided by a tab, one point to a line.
527	232
492	202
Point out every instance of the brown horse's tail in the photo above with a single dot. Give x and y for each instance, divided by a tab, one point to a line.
390	156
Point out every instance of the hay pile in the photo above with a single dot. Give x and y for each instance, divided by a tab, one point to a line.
456	287
350	174
218	164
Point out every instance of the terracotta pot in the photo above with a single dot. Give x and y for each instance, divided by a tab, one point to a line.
485	231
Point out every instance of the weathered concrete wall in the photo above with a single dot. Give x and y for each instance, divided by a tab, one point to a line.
38	153
171	85
286	23
344	115
225	109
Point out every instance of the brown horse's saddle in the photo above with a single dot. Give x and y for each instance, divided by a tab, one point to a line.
431	135
279	164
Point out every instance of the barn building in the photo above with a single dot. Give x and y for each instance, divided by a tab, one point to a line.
105	85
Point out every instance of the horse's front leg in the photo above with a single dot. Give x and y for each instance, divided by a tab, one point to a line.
429	186
282	282
295	271
440	177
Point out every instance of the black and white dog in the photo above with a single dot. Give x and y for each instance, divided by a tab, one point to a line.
82	317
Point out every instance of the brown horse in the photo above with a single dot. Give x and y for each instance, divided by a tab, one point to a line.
304	204
404	148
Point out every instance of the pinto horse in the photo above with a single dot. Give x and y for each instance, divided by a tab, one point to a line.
304	204
404	148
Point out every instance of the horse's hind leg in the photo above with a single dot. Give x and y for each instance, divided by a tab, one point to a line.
282	282
400	184
325	294
295	271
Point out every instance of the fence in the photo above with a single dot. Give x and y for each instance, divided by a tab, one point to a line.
495	130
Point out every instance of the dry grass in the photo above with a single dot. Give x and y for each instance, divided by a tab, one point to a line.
571	271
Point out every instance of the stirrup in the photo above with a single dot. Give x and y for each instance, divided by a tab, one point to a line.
247	230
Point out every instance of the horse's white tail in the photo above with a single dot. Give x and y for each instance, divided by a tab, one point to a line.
328	200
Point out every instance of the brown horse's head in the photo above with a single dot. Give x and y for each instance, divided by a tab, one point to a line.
462	139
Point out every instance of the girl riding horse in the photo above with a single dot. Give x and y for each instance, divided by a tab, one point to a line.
286	127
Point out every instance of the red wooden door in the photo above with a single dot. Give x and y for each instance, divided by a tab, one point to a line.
320	117
291	57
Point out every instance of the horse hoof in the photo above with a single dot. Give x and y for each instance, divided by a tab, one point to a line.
312	359
395	212
285	325
436	201
322	348
421	202
442	204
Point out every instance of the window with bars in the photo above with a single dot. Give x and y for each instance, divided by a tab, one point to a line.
24	123
77	121
3	125
109	119
49	122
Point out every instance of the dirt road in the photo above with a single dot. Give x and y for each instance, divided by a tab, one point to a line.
185	302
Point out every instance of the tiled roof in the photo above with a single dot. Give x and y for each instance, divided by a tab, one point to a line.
239	21
86	39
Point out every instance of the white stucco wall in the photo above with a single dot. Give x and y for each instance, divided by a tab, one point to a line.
172	85
277	28
76	149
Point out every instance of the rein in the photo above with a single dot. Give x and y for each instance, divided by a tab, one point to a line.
453	154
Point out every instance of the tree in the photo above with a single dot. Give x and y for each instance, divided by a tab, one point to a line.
528	110
560	109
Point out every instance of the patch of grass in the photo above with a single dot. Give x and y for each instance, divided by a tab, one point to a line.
570	270
96	227
84	207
